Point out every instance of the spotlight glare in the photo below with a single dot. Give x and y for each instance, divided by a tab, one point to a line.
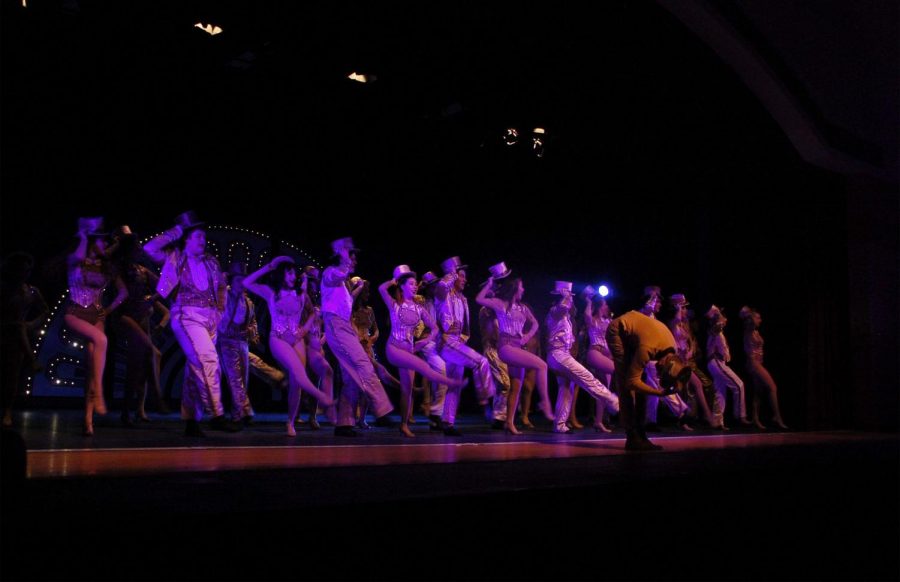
603	290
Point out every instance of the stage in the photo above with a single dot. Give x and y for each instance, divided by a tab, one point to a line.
148	503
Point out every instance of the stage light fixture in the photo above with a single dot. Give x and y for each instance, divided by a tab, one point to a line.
210	29
362	78
511	137
537	141
603	290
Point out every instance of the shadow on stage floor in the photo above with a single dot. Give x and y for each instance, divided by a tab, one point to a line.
250	506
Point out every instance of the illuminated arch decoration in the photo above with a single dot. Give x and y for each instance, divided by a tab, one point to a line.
61	352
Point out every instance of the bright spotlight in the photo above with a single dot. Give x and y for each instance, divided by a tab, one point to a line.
603	290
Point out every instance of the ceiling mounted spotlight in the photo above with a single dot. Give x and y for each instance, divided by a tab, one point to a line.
362	78
537	139
210	29
511	137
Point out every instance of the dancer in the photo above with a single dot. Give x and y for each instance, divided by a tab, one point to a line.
143	360
678	322
89	272
23	310
199	286
358	371
724	378
405	315
366	326
490	336
286	336
762	380
651	305
569	372
434	393
506	301
315	350
635	340
453	316
597	316
237	330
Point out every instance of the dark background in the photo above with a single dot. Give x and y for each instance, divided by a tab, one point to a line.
661	167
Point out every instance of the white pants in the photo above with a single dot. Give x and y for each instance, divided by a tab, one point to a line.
675	404
358	371
562	363
195	330
458	357
724	379
432	355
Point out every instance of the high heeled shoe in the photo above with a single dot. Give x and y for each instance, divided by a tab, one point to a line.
404	430
602	428
547	411
87	430
314	423
512	431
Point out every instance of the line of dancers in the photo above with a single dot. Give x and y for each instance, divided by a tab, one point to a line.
633	363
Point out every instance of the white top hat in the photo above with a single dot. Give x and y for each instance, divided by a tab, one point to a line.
562	288
402	270
499	271
343	243
452	265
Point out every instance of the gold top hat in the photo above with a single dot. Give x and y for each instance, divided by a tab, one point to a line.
341	244
91	226
562	288
679	300
500	271
429	278
402	270
452	265
187	220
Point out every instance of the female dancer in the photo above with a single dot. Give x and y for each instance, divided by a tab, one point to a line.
286	336
363	320
22	311
724	378
143	359
406	313
677	320
315	357
569	372
89	272
596	319
762	380
506	301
